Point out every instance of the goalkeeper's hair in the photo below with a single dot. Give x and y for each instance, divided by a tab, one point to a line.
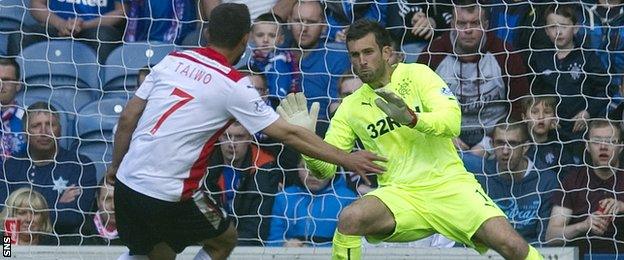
512	125
363	27
229	23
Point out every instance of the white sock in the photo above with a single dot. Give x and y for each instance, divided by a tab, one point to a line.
202	255
127	256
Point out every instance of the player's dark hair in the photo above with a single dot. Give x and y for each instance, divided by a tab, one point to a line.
229	23
13	63
363	27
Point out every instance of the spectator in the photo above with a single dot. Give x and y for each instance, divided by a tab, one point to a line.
588	213
347	84
320	67
96	23
341	14
244	179
13	141
577	76
519	188
306	214
546	150
142	74
603	34
65	179
29	208
267	35
160	21
484	77
418	21
100	227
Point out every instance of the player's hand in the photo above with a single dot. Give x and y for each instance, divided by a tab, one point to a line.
394	107
363	162
294	109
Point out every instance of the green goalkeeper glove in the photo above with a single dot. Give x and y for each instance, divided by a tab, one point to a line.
294	109
395	107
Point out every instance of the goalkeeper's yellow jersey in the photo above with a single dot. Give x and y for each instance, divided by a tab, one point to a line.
419	156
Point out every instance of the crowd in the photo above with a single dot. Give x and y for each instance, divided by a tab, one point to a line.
539	84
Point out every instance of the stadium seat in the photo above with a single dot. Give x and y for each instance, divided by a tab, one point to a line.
100	153
14	15
123	63
59	63
96	121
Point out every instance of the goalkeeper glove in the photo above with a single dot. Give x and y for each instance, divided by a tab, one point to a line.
395	107
294	109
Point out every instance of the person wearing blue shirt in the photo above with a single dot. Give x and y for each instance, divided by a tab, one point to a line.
340	14
516	185
161	21
307	213
66	179
13	140
95	23
320	67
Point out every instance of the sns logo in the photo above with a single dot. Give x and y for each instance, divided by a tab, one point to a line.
446	91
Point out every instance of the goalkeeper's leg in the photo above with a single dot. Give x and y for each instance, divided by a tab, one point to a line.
366	216
499	235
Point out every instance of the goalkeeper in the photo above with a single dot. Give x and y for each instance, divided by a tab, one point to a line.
407	114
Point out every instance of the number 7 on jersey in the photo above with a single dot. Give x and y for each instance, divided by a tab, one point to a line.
185	98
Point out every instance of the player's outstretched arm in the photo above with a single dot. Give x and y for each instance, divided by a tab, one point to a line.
310	144
125	128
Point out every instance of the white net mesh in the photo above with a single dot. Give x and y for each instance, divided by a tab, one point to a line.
555	66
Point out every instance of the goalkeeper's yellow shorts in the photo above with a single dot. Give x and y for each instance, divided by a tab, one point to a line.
455	209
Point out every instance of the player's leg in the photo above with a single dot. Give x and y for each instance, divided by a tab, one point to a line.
499	235
219	247
366	216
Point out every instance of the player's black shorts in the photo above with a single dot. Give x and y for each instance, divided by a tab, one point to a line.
143	221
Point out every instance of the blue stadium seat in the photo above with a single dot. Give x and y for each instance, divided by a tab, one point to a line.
100	153
14	15
96	121
59	63
123	63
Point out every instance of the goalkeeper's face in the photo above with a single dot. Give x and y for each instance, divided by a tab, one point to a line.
370	62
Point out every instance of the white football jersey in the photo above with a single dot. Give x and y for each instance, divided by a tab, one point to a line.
192	97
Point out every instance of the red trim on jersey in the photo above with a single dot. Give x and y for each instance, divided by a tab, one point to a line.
199	166
234	74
